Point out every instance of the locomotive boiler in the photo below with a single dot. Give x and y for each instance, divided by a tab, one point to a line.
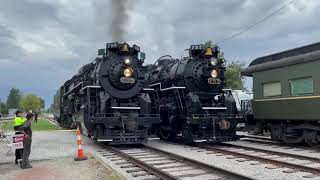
105	98
189	94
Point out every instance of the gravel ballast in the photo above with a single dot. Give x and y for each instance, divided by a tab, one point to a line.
252	169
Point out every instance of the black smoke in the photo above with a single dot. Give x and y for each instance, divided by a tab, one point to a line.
112	19
120	19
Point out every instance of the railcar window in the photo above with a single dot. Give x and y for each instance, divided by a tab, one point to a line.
301	86
271	89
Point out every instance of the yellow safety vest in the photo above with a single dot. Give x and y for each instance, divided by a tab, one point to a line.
18	121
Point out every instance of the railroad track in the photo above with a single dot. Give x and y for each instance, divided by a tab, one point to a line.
50	119
259	139
255	137
293	162
149	163
264	141
268	141
6	118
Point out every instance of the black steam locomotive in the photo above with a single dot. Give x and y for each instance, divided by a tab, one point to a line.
105	98
190	99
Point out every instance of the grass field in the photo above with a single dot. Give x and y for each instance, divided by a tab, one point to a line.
42	125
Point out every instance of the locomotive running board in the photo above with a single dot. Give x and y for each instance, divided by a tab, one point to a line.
90	87
73	88
125	107
214	108
199	141
173	87
104	140
153	139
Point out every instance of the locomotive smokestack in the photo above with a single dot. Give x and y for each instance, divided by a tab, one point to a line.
119	19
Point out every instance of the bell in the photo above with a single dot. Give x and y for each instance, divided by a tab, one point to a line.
125	48
208	52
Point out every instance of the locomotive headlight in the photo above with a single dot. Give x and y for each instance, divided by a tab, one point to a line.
127	61
214	73
127	72
213	61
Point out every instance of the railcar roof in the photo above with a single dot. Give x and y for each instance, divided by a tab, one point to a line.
297	55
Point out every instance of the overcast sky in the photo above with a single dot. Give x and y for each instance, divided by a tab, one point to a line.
44	42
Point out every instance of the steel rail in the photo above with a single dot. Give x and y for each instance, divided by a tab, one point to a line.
147	167
49	119
255	137
209	168
271	142
265	140
262	141
314	159
263	159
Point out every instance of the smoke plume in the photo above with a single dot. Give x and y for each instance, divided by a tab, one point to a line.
119	19
111	18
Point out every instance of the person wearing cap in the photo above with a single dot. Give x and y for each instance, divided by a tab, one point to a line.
17	126
25	164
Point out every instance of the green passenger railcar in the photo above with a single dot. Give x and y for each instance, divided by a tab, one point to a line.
286	91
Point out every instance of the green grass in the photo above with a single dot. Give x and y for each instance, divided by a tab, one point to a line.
42	125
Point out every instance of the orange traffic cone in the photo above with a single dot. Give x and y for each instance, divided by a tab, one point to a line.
81	155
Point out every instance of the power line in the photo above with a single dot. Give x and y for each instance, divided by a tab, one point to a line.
258	22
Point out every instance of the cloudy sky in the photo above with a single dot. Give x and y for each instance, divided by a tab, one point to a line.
44	42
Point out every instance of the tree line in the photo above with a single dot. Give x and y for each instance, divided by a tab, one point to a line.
233	77
17	100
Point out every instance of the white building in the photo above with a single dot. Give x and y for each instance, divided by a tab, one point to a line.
12	112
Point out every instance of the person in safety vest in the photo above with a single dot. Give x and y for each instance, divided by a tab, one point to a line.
19	121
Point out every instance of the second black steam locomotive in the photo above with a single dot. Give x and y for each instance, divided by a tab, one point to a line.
190	99
105	98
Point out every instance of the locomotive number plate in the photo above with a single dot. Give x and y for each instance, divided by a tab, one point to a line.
214	81
127	80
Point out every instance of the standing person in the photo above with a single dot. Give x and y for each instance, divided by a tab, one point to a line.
35	117
17	126
25	164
